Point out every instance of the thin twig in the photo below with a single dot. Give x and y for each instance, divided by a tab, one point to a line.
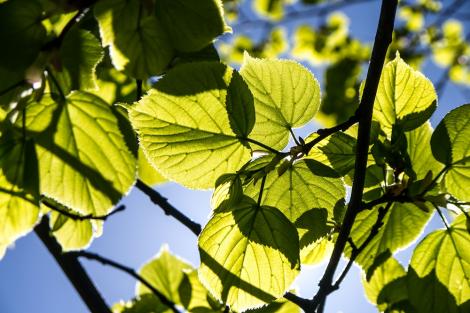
131	272
170	210
73	270
325	132
262	145
78	217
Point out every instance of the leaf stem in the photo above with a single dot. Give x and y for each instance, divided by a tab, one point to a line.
443	218
262	145
170	210
78	217
73	270
128	270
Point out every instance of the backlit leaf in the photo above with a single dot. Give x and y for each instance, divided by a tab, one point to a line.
83	159
191	126
450	146
286	95
19	190
249	255
439	274
404	97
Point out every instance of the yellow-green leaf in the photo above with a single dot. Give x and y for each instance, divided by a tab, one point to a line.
249	255
191	126
404	97
286	95
83	159
450	146
19	190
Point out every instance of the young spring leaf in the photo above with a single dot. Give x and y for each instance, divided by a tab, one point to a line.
450	146
286	95
405	97
439	273
138	43
83	159
177	129
19	192
249	255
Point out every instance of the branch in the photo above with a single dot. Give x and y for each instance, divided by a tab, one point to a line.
73	270
383	39
78	217
130	271
170	210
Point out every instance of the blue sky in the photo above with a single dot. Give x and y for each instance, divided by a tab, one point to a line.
31	281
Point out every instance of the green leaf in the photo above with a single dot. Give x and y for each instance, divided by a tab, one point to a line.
300	189
19	190
337	151
286	95
449	145
316	251
191	24
83	158
79	53
191	126
165	273
147	303
419	151
249	255
402	224
386	286
195	297
278	306
439	274
137	42
146	172
72	234
405	97
22	34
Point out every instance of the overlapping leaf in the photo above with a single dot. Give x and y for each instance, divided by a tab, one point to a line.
439	273
138	44
143	36
386	286
19	190
79	53
191	126
401	226
450	145
286	95
191	24
84	161
306	185
249	255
